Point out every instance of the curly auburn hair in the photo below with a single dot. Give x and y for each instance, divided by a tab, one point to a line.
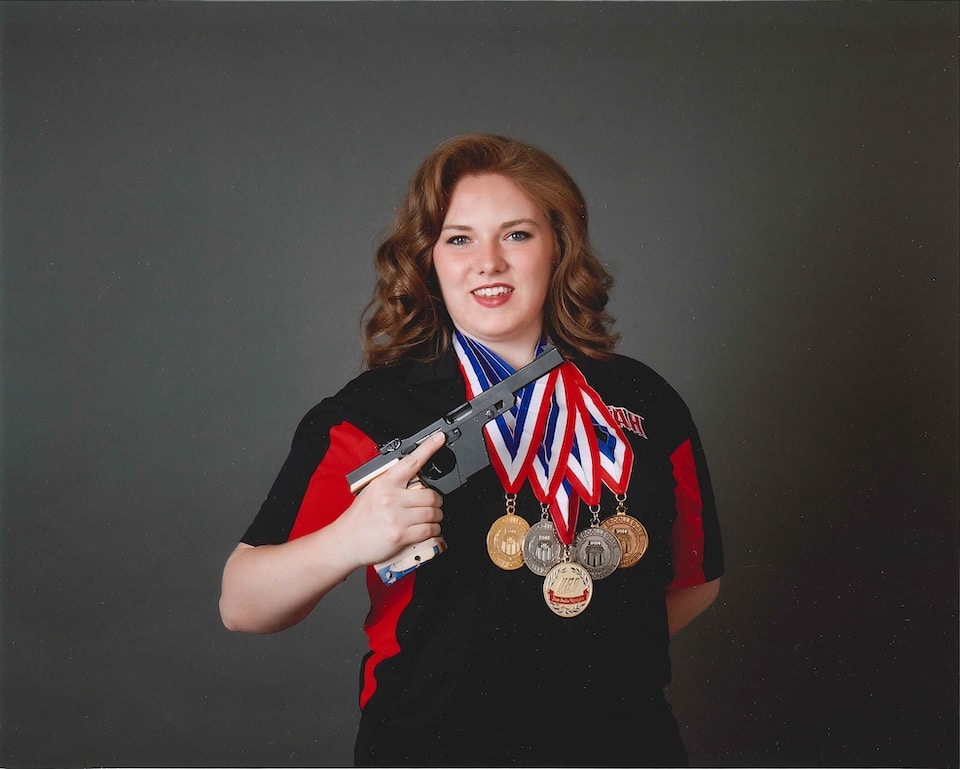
408	318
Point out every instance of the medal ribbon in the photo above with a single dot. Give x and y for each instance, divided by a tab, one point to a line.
559	436
512	437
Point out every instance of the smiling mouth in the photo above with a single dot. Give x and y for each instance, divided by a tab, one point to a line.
492	291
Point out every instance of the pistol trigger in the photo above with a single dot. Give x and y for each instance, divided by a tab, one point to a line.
440	464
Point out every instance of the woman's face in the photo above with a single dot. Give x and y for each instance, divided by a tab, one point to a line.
493	259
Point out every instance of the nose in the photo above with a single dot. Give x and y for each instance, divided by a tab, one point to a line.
490	258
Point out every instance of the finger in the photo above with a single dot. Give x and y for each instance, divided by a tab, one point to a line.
422	532
422	497
411	464
418	513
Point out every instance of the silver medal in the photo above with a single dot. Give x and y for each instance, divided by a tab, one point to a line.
541	548
598	551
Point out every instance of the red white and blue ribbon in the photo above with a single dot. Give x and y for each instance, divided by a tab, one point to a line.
559	436
513	437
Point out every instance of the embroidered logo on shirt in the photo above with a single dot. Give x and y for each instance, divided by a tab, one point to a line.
627	420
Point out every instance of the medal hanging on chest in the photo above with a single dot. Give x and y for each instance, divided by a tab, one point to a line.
506	537
541	546
631	534
567	588
596	549
560	437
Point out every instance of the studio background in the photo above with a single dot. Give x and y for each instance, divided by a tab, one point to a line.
191	194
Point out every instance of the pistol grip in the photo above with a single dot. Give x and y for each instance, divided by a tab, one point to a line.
412	556
409	559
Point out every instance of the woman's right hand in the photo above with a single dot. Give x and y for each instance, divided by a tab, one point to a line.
394	510
271	587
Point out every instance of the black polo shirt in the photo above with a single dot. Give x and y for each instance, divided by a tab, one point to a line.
467	665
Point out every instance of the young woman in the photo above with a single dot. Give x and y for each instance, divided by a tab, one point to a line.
540	636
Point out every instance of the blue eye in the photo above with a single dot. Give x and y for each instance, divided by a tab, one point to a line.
519	236
458	240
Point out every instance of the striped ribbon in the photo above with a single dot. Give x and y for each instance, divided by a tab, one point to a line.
559	436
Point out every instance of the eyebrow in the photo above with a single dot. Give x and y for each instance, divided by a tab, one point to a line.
505	225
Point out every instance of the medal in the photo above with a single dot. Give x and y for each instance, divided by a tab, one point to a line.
567	589
596	549
541	547
631	534
505	537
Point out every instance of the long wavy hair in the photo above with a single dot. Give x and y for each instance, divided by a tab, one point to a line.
406	318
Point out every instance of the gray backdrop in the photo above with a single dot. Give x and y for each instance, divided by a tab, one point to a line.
191	195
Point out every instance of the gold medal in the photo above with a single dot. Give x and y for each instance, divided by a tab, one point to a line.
505	541
567	589
505	537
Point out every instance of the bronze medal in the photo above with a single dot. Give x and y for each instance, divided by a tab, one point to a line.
632	535
567	589
505	541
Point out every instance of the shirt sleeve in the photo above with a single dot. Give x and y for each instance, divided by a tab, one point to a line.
311	489
695	544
